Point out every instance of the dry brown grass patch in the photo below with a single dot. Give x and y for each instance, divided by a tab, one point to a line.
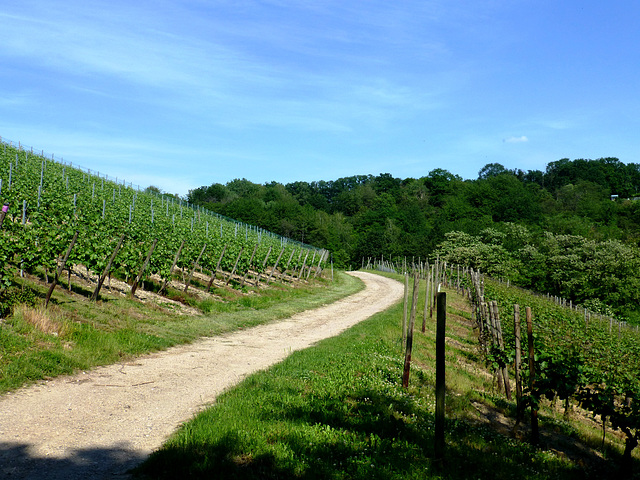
43	320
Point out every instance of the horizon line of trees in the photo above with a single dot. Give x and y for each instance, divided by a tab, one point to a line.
373	216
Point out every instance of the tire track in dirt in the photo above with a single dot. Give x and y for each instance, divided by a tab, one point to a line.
99	424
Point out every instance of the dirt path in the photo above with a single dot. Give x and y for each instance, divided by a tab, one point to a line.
101	423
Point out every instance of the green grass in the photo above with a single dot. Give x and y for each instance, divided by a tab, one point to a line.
338	411
75	334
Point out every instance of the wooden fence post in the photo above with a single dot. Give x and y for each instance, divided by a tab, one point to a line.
426	300
500	345
405	307
412	320
518	362
535	434
440	376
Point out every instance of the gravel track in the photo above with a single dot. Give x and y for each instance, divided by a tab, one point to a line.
99	424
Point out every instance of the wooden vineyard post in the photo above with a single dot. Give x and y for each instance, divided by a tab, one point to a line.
412	320
264	264
284	272
426	300
276	265
253	254
215	272
434	289
173	265
96	292
494	342
518	362
304	262
319	267
60	269
313	259
441	326
235	266
405	307
500	345
535	434
134	287
193	269
483	322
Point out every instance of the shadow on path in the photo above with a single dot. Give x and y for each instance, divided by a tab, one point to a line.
17	462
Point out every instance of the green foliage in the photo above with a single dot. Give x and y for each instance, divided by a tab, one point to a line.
15	295
578	358
49	202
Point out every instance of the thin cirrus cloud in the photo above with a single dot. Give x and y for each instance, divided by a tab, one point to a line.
521	139
277	90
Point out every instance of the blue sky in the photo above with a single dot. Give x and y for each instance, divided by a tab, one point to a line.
180	94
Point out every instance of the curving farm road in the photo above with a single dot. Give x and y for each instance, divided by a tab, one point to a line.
101	423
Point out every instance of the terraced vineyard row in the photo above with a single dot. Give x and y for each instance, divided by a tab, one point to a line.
46	202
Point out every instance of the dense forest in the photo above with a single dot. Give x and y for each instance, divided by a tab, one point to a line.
572	230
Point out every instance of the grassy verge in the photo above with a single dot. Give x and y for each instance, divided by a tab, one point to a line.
338	411
74	334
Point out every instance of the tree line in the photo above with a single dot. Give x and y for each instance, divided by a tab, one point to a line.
571	230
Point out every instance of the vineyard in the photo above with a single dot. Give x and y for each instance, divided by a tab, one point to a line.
578	359
58	218
543	349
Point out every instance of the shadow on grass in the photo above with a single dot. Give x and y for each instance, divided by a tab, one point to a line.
17	462
362	436
320	437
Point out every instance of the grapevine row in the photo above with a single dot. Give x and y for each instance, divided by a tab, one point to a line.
47	201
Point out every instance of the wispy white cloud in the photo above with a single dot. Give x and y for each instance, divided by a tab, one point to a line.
230	63
521	139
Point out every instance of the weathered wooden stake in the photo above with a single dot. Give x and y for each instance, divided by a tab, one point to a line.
253	254
235	266
518	363
505	370
264	263
215	272
304	262
426	300
313	259
412	320
275	266
60	269
134	287
405	308
193	269
441	326
287	266
96	292
535	434
173	265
